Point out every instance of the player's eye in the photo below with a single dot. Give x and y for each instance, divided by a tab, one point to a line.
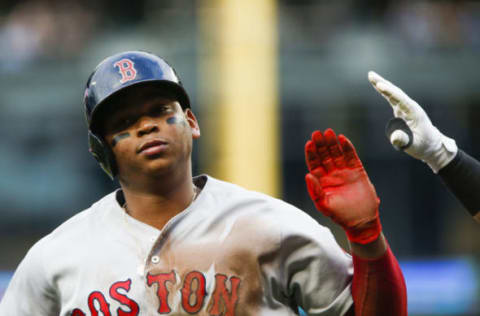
122	123
159	110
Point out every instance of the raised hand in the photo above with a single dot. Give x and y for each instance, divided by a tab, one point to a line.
417	136
340	187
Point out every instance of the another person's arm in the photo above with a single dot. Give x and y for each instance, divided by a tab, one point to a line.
412	131
341	190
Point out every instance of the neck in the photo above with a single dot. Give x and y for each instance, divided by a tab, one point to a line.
157	203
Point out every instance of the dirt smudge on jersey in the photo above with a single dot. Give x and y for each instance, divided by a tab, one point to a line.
243	247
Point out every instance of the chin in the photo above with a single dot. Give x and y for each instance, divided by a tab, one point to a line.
160	167
156	167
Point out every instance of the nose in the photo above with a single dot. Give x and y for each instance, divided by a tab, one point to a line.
146	125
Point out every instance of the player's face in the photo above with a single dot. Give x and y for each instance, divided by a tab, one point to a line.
150	135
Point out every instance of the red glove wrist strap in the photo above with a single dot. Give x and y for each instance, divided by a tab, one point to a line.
366	233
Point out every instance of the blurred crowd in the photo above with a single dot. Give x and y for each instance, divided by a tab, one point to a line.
35	30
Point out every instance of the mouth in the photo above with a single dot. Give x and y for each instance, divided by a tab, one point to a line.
152	147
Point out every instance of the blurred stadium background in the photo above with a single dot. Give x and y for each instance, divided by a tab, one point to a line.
297	66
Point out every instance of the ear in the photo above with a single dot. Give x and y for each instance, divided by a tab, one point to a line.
193	123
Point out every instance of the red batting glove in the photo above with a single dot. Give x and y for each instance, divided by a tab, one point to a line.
340	187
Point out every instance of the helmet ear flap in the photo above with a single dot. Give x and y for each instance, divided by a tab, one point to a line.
103	154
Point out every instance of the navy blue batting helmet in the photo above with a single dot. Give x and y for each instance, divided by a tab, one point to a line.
118	73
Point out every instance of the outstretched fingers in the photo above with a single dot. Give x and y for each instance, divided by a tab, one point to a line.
403	106
311	156
349	152
398	99
375	79
323	153
321	147
336	154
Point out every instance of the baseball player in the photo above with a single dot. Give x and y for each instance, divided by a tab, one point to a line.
167	243
412	132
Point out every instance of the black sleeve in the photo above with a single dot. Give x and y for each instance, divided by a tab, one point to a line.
462	177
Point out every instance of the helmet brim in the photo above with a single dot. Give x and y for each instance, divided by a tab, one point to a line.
107	106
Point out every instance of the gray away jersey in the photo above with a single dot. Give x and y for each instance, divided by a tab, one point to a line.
231	252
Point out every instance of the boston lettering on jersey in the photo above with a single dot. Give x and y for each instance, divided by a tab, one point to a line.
193	292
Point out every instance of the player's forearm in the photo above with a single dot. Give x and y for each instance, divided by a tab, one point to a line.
462	177
378	286
372	250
